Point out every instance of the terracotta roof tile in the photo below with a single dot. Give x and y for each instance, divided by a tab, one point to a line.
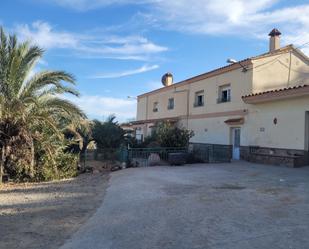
275	90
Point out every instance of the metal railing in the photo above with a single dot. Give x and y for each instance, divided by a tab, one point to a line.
143	157
212	153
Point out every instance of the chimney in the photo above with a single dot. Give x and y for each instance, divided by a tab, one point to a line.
274	40
167	79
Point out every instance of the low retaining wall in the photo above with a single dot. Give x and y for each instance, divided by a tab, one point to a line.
215	153
283	157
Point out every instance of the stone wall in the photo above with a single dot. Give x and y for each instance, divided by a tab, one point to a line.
274	156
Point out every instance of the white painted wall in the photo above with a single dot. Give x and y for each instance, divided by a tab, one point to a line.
269	73
210	130
279	71
289	132
259	128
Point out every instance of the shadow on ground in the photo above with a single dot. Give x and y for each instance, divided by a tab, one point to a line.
44	215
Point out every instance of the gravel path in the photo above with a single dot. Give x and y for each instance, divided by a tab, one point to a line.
220	206
44	215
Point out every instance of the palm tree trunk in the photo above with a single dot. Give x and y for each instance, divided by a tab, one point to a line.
31	173
2	163
1	168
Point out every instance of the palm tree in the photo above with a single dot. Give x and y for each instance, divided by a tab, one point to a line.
30	104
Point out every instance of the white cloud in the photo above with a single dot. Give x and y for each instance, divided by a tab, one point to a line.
89	46
101	107
41	33
252	19
236	17
134	47
142	69
224	16
82	5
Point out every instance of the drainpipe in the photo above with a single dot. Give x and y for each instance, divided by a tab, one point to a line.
146	107
290	65
146	128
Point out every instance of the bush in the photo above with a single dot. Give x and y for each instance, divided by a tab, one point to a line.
169	135
63	166
108	134
166	135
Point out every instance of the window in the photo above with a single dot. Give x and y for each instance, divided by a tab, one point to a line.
224	94
155	106
199	99
170	104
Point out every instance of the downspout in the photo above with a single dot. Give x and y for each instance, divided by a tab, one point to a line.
146	127
188	107
146	107
290	65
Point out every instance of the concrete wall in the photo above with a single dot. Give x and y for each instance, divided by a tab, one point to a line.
289	132
210	131
240	84
269	73
180	104
141	109
279	71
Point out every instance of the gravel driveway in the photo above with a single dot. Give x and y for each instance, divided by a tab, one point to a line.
45	215
238	205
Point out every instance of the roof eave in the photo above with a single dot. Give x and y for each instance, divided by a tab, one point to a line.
215	72
281	94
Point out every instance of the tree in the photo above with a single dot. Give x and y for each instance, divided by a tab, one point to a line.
107	134
79	132
168	135
32	115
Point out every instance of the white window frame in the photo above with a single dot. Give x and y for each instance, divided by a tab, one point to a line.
222	89
198	94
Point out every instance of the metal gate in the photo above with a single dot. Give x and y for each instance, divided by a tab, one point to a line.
144	157
211	153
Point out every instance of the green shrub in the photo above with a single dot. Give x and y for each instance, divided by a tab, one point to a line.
63	166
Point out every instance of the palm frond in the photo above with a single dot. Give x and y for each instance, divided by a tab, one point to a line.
57	90
45	79
60	104
30	57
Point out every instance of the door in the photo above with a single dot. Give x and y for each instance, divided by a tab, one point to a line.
236	143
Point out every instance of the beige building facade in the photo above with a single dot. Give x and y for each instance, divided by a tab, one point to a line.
259	106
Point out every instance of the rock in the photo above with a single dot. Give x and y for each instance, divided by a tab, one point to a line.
154	159
177	158
115	168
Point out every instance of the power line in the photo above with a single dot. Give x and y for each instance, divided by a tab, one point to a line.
277	58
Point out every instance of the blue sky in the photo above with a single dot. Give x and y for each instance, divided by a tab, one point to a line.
117	48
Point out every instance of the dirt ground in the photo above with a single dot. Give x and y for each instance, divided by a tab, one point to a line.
44	215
